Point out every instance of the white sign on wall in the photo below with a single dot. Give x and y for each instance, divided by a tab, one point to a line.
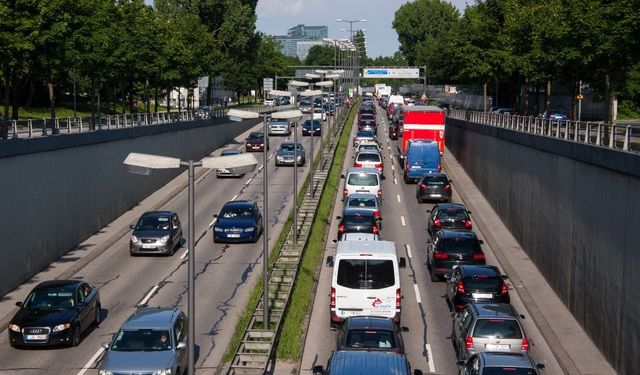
391	73
267	84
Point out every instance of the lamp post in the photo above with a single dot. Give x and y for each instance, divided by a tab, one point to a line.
239	115
322	85
144	164
296	84
312	94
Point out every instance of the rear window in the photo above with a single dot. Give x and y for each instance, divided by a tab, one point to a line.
362	202
459	245
365	274
365	133
351	221
363	179
508	371
369	157
434	180
370	339
453	214
497	328
482	283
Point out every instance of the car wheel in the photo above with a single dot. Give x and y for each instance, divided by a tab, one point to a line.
434	277
75	336
98	317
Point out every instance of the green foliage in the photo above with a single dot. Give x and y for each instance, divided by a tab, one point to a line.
320	56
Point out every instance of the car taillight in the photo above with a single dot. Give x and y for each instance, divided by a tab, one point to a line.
525	345
341	228
479	256
357	165
375	229
440	255
379	193
398	298
333	298
469	343
460	287
437	223
378	165
504	289
345	192
467	223
447	187
423	187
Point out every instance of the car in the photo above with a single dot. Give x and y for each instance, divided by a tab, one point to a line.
498	363
488	327
329	108
555	115
204	112
393	130
362	180
368	126
285	154
222	172
359	237
370	333
369	159
434	187
357	220
363	135
505	111
270	102
156	232
238	221
279	127
366	111
473	284
153	340
319	114
317	102
448	216
349	362
450	248
365	202
284	100
308	125
255	142
305	105
55	313
368	146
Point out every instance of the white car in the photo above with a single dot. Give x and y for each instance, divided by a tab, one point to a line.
270	102
319	114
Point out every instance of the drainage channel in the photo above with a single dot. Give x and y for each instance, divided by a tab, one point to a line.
255	352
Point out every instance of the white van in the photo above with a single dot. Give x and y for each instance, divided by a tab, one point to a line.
365	281
362	180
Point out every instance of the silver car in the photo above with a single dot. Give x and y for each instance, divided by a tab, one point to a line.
279	127
151	341
222	172
285	154
366	202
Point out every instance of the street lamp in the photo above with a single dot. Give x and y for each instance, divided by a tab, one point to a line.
322	85
144	164
312	94
239	115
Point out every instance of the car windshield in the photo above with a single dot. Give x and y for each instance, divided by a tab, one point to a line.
355	221
256	136
365	133
506	370
288	147
459	245
434	180
141	340
230	152
497	329
369	157
153	223
452	214
236	212
363	179
365	274
367	146
58	298
309	122
362	202
370	339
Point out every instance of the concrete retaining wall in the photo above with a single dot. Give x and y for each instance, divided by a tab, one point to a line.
575	209
57	191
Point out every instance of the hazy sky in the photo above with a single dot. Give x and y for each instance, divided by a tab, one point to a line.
275	17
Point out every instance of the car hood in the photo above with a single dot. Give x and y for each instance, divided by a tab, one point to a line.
287	153
43	317
116	361
235	223
150	233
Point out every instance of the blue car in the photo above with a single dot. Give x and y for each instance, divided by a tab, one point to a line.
238	221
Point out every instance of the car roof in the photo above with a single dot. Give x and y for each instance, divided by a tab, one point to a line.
57	284
454	233
469	270
494	310
507	359
240	203
357	211
152	317
364	322
433	175
355	362
289	143
363	170
444	206
157	213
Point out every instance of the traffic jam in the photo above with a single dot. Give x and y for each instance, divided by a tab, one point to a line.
366	288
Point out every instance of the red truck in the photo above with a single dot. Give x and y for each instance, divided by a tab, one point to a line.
422	122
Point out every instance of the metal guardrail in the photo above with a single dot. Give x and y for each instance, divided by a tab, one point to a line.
618	137
256	349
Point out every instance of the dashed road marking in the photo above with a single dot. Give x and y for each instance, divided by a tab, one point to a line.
235	197
402	220
415	289
91	361
398	196
408	251
393	168
249	181
148	296
395	181
432	365
185	254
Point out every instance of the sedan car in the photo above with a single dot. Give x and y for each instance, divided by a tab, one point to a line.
497	363
368	146
370	333
474	284
363	135
369	159
310	126
285	154
238	221
255	142
156	232
448	216
451	248
356	220
319	114
226	172
329	108
364	201
56	312
433	187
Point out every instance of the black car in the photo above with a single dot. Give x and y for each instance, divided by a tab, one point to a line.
451	248
371	333
238	221
356	220
448	216
156	232
475	284
55	313
433	187
393	130
308	125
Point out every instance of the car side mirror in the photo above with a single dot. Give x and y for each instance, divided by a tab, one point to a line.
383	177
176	227
504	277
105	345
181	345
341	176
215	215
330	261
447	276
132	226
334	241
19	304
428	211
404	329
402	263
522	316
417	372
460	364
338	217
480	242
469	212
540	366
379	219
450	181
318	370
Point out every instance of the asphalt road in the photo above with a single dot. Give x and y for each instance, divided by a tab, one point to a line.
224	273
424	310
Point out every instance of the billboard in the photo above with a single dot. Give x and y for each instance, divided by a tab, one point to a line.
391	73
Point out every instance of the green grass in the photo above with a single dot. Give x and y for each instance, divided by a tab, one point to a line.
292	333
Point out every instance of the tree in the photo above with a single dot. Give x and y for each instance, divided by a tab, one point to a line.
320	55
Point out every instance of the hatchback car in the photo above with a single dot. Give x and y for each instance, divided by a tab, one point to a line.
370	333
329	108
433	187
255	142
364	202
151	341
475	284
448	216
363	135
310	126
319	114
279	127
56	312
368	159
362	180
305	105
497	363
356	220
451	248
285	154
488	327
368	146
222	172
238	221
156	232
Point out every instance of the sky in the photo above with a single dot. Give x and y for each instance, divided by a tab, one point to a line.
275	17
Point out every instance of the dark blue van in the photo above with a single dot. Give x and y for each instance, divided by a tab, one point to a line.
422	157
347	362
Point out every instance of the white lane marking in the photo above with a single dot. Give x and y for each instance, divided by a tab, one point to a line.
235	197
259	169
395	181
393	168
91	361
398	195
408	251
249	181
148	296
213	222
402	220
185	254
415	289
432	365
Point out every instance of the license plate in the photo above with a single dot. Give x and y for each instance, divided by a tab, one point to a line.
497	347
232	235
36	337
482	295
436	195
148	246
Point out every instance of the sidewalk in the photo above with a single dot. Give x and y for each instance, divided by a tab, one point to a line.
569	343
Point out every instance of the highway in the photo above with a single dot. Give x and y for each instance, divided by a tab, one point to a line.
224	273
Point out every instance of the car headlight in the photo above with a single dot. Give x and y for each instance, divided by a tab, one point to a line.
61	327
105	372
164	239
134	239
299	157
218	229
279	158
14	327
163	372
249	229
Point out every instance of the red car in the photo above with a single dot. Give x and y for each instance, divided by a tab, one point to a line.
255	142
